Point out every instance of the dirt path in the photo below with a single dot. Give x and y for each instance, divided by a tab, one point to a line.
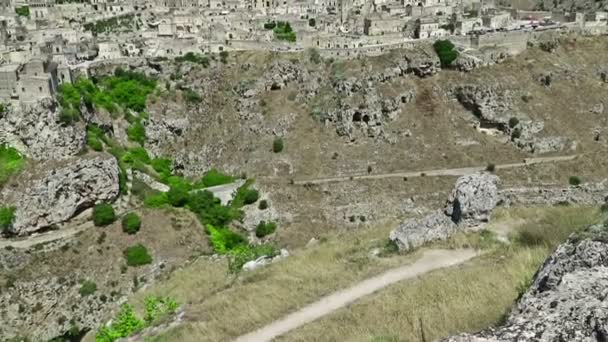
431	260
437	172
33	240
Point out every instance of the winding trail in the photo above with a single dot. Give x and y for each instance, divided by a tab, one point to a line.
437	172
431	260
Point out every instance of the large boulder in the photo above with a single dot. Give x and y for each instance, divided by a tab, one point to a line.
469	204
567	299
52	194
473	198
416	232
36	131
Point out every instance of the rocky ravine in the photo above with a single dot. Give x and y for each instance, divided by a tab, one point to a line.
50	195
567	299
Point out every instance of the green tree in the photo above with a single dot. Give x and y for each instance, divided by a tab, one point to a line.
137	255
446	51
103	214
265	228
131	223
7	217
277	145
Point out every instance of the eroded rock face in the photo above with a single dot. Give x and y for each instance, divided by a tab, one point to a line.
470	204
35	130
416	232
477	59
584	194
473	198
566	301
52	195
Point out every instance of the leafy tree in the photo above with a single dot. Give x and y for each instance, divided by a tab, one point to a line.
23	11
103	214
277	145
131	223
283	31
513	122
224	240
224	57
125	324
137	255
574	180
137	133
263	205
7	216
265	228
446	52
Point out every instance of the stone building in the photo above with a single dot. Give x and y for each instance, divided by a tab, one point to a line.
376	25
31	81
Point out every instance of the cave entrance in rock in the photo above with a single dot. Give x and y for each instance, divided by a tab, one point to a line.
357	117
366	118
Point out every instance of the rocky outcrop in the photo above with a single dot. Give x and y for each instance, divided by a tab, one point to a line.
470	204
567	299
416	232
422	62
472	60
35	130
473	198
492	108
53	194
584	194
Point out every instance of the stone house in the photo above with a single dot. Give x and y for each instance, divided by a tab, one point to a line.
428	28
497	21
376	25
31	81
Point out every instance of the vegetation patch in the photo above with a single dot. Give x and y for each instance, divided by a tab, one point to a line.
131	223
446	51
283	31
110	25
137	255
11	162
7	217
224	240
574	180
23	11
265	228
87	288
127	323
277	145
103	214
193	58
214	177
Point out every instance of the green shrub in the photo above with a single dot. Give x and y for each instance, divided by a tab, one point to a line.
513	122
137	133
11	162
163	167
136	155
192	97
137	255
125	324
491	167
263	205
214	177
224	57
23	11
283	31
251	196
2	107
244	253
194	58
574	180
515	134
158	307
157	200
131	223
312	22
103	214
7	216
264	229
224	240
277	145
87	288
446	52
94	134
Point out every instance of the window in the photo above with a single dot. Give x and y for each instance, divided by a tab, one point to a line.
23	90
40	89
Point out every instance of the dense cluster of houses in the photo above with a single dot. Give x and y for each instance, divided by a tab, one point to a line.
43	41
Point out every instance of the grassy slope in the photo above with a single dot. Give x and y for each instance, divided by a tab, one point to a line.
460	299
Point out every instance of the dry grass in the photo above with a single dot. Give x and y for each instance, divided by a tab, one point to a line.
219	308
467	298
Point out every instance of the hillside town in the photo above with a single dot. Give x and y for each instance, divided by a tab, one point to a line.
44	43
